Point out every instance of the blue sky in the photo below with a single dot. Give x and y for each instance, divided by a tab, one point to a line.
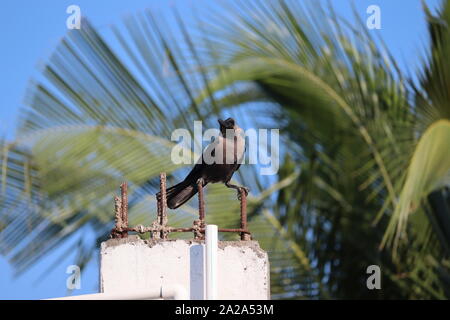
29	30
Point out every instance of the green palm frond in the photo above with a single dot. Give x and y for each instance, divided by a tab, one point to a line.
429	170
429	165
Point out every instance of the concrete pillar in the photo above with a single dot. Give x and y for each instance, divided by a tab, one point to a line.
134	264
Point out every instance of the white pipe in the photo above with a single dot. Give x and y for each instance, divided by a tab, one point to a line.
211	240
175	292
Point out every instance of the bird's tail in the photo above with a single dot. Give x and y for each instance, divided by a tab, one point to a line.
179	194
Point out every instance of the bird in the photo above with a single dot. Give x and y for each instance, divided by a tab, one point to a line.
220	160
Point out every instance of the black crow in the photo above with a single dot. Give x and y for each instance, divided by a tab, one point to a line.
217	164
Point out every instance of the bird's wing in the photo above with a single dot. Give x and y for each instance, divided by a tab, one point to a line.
196	171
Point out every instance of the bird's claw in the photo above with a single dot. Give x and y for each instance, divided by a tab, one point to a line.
245	189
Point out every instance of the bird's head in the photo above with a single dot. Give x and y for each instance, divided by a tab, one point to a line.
226	124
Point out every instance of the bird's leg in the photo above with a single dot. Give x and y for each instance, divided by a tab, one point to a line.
238	188
200	180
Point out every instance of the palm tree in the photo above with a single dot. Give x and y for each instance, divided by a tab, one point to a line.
364	157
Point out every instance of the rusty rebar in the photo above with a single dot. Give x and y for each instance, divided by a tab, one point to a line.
201	202
201	209
244	236
118	212
124	208
142	229
196	228
163	219
159	228
158	208
117	231
155	230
